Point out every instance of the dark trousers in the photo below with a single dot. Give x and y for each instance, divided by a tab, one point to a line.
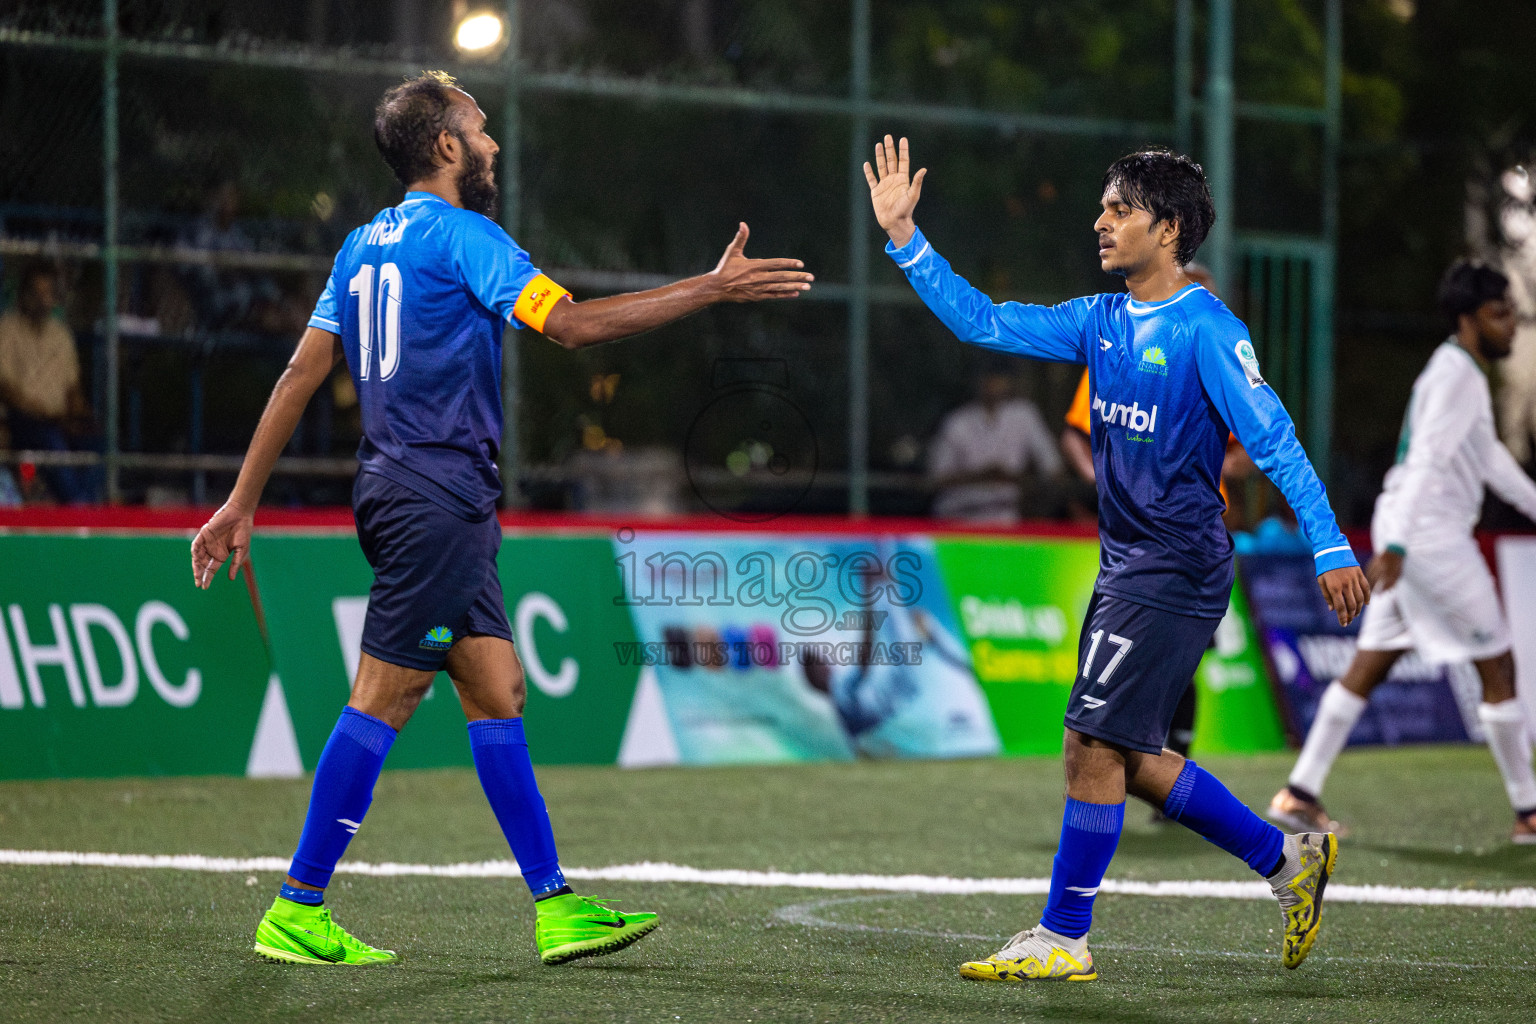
73	485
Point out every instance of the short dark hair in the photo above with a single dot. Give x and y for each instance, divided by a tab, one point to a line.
1466	286
1169	186
409	119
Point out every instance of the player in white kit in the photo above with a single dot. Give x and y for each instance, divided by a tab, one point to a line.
1431	589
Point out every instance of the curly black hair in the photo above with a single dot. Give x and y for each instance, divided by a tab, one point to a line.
1466	286
1169	186
408	120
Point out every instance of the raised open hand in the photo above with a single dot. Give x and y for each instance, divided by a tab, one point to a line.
747	280
893	195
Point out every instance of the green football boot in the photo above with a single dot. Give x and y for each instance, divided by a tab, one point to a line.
571	927
299	934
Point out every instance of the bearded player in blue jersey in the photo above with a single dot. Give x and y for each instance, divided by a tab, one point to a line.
416	305
1171	371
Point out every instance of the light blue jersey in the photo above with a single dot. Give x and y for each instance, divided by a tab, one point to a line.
1168	380
420	296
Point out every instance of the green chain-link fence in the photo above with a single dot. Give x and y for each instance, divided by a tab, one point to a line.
203	160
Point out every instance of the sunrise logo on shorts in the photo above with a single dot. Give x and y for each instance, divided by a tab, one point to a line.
438	638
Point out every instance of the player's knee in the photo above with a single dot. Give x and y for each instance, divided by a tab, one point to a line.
517	694
1498	675
1088	759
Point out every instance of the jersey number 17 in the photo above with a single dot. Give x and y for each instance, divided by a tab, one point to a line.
378	320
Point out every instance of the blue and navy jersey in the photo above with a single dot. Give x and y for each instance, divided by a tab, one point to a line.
420	296
1168	381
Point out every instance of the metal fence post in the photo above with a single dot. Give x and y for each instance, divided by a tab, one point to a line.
511	211
1320	406
858	268
1183	75
1320	370
1219	143
110	212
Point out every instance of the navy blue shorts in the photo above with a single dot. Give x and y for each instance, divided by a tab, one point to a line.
1134	663
434	574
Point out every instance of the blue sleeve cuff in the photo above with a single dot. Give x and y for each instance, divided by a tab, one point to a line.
1341	557
325	324
915	249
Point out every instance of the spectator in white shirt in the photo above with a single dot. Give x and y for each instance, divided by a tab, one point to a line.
985	450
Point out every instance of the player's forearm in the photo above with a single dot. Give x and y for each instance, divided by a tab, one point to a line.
1034	332
576	325
273	431
901	231
1265	429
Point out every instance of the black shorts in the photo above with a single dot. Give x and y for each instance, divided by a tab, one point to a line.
434	574
1134	663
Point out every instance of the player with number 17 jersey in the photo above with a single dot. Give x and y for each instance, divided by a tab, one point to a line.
1171	370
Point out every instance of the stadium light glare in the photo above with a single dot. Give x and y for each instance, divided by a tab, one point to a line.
478	32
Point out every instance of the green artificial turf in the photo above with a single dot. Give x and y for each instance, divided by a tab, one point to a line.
115	944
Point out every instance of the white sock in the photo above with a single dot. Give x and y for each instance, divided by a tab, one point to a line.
1337	714
1510	744
1066	942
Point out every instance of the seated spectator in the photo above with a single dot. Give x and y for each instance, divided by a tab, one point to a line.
983	451
40	385
229	298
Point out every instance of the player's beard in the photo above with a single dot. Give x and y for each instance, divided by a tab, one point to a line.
477	187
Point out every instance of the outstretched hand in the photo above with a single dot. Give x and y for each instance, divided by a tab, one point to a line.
1346	591
748	280
893	195
226	536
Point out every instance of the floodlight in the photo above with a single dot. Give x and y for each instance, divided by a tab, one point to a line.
479	31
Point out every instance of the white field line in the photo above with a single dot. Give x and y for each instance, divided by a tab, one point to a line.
805	915
648	871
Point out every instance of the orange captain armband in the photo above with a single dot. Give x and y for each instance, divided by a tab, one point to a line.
538	298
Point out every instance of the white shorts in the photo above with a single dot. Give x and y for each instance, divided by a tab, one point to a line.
1444	606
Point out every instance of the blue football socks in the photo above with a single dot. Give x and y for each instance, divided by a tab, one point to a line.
1199	802
344	779
501	758
308	897
1089	835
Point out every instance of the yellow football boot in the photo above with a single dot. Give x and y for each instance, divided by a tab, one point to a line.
1035	954
1299	885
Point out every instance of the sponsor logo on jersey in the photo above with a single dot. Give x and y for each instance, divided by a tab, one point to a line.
438	638
1104	346
1133	417
1250	361
1153	361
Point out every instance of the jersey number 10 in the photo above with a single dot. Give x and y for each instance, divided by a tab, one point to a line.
378	323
